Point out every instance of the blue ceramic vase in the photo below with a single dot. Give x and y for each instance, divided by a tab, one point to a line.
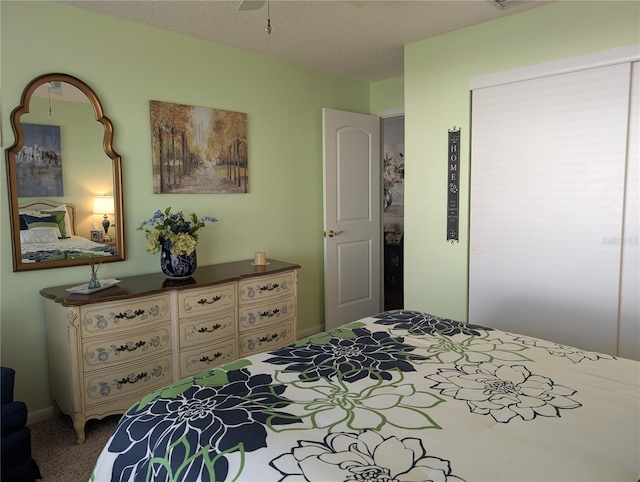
178	266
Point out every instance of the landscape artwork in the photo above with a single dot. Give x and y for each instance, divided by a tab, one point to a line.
39	162
198	150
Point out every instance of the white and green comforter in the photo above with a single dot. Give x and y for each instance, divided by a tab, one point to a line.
401	396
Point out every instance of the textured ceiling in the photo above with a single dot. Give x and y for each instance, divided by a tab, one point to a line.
357	39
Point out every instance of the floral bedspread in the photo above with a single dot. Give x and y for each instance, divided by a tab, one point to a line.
71	248
400	396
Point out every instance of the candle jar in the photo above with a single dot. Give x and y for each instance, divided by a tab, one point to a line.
260	258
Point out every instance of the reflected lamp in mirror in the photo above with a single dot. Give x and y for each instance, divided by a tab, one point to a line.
104	205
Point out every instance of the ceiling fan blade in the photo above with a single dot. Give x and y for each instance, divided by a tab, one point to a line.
250	5
357	3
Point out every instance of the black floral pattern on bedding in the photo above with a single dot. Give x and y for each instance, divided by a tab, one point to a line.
504	392
419	323
369	401
184	430
364	456
354	353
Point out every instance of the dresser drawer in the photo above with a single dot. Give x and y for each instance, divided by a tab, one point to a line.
267	339
134	379
266	287
126	347
193	362
207	329
124	315
212	299
261	314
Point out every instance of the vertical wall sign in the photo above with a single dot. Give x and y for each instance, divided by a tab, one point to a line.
453	184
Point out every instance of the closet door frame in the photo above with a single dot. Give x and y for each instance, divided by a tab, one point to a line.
619	55
629	323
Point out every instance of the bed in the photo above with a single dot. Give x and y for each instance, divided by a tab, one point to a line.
399	396
48	233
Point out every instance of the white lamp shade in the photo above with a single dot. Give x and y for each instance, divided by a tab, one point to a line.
103	205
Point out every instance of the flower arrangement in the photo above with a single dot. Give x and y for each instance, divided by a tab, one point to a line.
173	231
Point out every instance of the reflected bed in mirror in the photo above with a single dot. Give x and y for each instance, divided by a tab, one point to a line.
61	161
48	232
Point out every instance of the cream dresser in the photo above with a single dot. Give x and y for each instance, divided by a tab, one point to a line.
110	348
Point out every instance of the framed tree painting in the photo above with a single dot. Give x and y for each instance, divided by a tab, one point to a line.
198	150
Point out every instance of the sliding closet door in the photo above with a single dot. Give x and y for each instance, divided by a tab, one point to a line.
547	182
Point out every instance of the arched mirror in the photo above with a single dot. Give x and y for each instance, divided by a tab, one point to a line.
64	178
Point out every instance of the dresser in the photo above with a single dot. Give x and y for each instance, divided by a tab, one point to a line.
109	348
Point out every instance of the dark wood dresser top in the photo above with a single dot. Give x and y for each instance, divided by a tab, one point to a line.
147	284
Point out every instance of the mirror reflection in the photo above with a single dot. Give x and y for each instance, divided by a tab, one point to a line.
65	179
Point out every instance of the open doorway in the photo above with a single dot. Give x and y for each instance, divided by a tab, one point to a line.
393	214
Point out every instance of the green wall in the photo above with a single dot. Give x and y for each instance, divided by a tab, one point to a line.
127	65
387	95
437	98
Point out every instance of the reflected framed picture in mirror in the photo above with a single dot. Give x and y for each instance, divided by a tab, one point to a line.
39	162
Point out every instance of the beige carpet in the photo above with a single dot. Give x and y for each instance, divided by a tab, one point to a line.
54	448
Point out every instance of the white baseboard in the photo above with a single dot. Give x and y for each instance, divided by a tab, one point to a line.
40	415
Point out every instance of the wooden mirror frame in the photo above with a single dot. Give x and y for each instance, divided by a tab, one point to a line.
12	181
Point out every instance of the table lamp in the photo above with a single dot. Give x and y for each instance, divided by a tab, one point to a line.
104	205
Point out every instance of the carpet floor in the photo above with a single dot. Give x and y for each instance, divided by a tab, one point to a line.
60	458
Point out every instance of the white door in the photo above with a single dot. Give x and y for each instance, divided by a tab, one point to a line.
352	216
547	184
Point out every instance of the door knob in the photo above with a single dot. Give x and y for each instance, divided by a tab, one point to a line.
333	233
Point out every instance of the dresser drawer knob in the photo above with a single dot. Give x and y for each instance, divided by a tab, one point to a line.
135	379
129	347
207	359
128	315
204	301
215	327
268	338
269	313
270	287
